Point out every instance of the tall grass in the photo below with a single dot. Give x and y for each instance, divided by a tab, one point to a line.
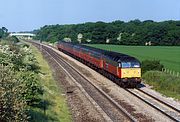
164	83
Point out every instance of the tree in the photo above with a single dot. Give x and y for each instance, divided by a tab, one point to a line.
3	32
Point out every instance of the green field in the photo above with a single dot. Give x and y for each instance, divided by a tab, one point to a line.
169	56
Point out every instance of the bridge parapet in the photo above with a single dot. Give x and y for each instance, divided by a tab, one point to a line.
23	35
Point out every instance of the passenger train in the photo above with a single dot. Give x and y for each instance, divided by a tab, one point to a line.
122	69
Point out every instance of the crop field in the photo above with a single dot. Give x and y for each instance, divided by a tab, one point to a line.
169	56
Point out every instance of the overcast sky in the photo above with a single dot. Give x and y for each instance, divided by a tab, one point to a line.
27	15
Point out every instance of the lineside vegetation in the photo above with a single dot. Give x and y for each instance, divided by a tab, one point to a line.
19	82
56	104
28	91
164	83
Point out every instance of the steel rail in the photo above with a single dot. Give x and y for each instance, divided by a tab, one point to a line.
170	106
152	105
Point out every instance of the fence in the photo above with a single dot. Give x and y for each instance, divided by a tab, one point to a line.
171	72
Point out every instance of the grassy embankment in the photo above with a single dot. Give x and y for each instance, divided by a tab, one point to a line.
164	83
56	106
169	56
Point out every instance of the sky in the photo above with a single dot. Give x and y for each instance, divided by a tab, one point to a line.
27	15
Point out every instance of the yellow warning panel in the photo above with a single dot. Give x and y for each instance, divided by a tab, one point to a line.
130	72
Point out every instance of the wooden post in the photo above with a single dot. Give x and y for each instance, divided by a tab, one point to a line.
170	72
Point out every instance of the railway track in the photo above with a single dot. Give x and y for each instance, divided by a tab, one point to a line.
113	110
166	109
161	101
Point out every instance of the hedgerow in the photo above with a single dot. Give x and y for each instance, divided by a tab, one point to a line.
19	83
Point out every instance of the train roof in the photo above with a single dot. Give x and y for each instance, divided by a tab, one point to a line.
115	56
93	49
119	57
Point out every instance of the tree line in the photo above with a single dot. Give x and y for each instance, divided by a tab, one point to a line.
134	32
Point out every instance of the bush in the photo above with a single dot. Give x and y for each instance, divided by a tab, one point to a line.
13	39
32	89
148	65
13	107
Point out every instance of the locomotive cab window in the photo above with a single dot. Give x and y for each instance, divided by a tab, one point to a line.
135	64
126	64
130	64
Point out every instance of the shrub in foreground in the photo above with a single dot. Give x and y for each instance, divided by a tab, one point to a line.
19	83
13	107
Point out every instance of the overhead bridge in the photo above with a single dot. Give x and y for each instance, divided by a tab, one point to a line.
23	35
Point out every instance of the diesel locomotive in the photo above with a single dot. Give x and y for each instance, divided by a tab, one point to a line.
122	69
